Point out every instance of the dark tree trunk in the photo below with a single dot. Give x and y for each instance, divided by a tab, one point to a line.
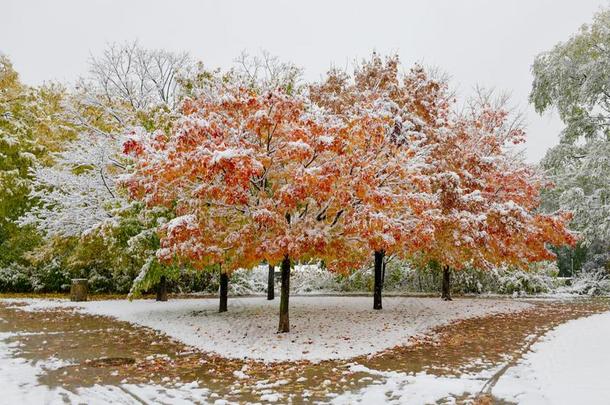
79	289
446	287
284	325
271	283
378	279
162	289
224	292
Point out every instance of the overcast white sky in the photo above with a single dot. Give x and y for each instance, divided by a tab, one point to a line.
490	43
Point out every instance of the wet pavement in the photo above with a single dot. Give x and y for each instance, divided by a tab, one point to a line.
92	350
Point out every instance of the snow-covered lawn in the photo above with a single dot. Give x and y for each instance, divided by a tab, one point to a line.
570	365
20	385
322	327
401	388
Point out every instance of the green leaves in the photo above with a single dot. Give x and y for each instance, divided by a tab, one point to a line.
574	78
32	126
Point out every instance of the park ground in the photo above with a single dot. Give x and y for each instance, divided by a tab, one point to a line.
416	350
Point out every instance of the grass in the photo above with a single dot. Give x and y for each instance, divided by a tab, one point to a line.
95	296
92	297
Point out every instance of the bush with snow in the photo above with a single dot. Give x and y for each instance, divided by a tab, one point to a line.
596	282
14	278
541	278
313	278
400	277
594	278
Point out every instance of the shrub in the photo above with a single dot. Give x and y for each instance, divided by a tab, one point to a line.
593	282
15	278
51	277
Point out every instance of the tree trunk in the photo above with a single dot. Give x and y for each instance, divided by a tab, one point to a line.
284	325
224	292
446	286
378	279
271	283
79	289
162	289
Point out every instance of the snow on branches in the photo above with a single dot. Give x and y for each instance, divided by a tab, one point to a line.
252	177
487	197
572	79
78	192
380	162
383	158
468	200
127	87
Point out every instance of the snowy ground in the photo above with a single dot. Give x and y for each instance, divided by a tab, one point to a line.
20	385
569	365
402	388
321	327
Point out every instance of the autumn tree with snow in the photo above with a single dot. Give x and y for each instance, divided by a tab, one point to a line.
259	72
252	176
383	166
445	187
486	198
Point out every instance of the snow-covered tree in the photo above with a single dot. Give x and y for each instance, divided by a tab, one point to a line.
486	207
254	177
78	193
581	174
468	200
573	78
382	163
32	127
127	78
266	72
128	88
262	72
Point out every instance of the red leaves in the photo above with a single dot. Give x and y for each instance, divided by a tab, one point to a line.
242	164
382	162
133	148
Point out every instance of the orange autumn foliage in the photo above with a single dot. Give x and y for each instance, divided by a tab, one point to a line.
473	202
251	177
377	161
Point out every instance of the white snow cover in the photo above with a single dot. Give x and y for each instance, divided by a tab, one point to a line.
19	378
228	154
402	388
322	327
570	365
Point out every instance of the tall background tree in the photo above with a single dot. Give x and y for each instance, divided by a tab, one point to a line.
84	216
574	79
32	127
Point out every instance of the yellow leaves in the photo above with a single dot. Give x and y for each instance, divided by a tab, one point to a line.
265	160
